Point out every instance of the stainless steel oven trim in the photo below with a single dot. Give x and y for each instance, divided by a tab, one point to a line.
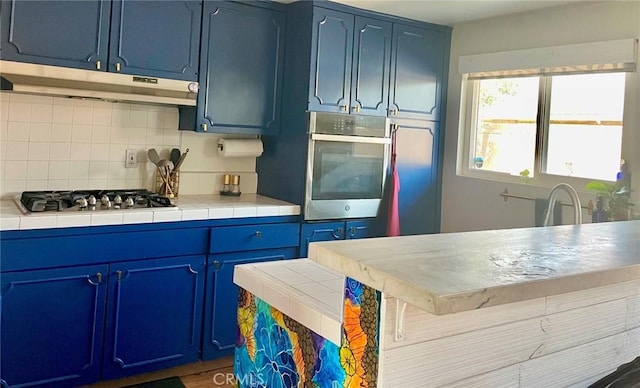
347	208
351	139
313	118
337	209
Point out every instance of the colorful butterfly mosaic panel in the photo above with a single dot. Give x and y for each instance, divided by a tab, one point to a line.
275	351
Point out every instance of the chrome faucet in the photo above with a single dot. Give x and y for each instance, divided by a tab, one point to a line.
575	201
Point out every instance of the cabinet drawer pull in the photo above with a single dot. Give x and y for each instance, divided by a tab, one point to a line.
216	264
119	273
99	276
337	236
356	108
204	127
258	234
118	66
394	111
98	65
344	107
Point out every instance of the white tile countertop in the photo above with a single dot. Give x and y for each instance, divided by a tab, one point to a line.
302	289
188	208
453	272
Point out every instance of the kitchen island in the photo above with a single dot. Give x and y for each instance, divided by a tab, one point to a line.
556	306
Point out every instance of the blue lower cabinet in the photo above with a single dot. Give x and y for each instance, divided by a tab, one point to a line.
362	229
51	326
337	230
154	316
319	231
221	300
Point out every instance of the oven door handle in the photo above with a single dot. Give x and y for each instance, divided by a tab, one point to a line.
350	139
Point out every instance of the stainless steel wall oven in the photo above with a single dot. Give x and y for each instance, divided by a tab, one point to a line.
347	162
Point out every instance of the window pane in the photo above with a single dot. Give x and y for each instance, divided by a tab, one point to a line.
505	125
585	127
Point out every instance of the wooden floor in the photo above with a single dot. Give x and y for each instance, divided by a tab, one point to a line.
210	374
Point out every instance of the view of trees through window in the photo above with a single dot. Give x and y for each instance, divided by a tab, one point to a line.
584	121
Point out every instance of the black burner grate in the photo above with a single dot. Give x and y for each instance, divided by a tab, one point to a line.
40	201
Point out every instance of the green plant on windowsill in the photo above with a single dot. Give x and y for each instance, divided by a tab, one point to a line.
525	176
617	199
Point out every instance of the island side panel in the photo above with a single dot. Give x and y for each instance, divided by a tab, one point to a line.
581	336
277	351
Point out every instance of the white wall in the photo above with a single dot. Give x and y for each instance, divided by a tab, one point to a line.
475	204
51	143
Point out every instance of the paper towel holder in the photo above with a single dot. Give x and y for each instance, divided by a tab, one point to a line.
220	146
226	144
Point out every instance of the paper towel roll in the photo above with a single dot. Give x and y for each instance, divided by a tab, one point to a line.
237	148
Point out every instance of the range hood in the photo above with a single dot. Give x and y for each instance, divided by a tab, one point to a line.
63	81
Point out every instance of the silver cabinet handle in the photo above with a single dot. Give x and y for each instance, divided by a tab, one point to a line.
337	236
258	234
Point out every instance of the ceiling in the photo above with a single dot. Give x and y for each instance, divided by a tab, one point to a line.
453	11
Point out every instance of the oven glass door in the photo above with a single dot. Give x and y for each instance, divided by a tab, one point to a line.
347	170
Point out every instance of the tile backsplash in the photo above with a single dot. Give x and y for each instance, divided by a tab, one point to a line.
57	143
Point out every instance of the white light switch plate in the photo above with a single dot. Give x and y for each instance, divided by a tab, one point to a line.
130	159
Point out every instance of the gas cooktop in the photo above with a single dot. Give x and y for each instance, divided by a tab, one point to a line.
91	200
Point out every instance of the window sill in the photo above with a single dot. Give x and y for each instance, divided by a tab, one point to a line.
544	181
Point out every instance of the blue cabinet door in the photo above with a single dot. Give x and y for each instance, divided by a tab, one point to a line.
241	67
59	33
155	315
417	72
371	61
331	58
51	325
417	166
221	301
362	229
156	38
320	231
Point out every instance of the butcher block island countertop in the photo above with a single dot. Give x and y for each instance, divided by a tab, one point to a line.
454	272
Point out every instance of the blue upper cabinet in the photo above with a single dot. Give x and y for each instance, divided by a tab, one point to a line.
370	70
241	68
417	72
156	38
59	33
331	55
150	38
350	61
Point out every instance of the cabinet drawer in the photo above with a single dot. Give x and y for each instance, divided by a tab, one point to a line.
253	237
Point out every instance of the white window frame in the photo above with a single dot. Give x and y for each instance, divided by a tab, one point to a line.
506	63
